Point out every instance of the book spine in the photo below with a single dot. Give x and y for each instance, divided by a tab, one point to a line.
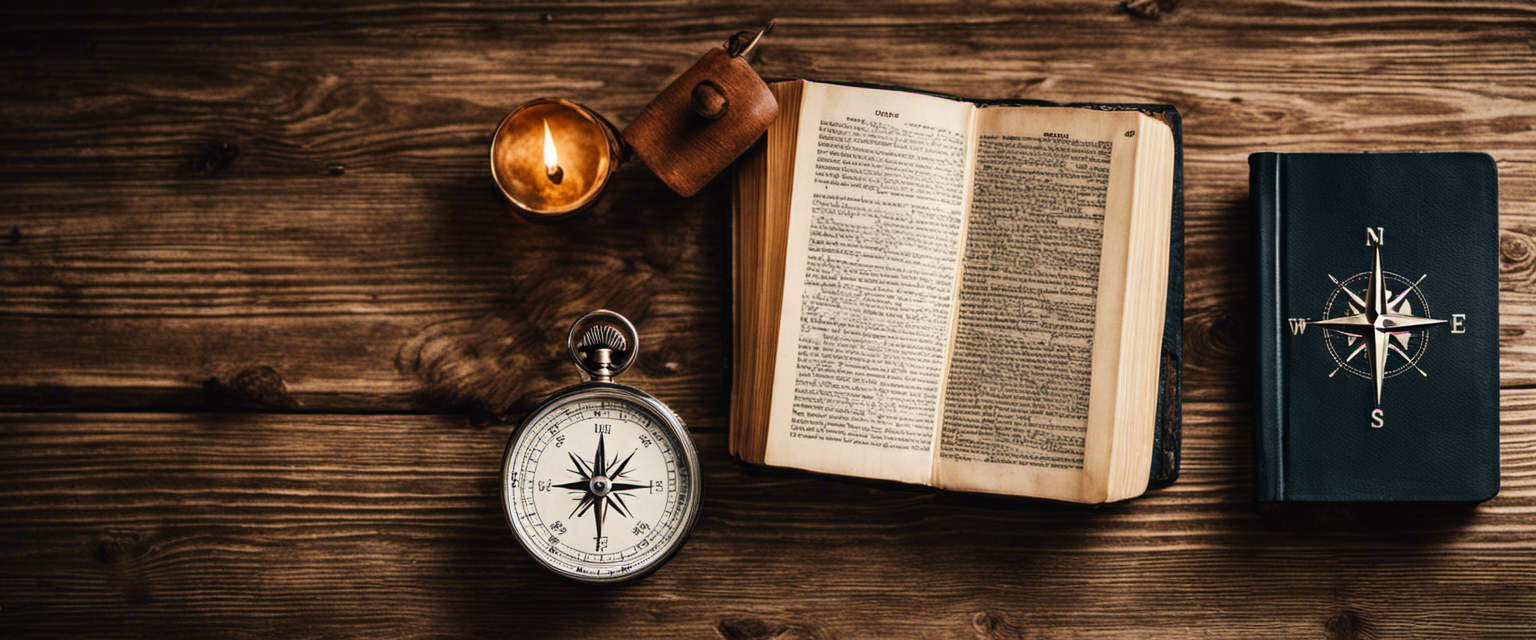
1266	171
1168	427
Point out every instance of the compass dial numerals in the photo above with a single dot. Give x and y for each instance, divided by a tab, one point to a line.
599	487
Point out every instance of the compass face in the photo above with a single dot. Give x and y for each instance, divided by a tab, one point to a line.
1350	352
599	485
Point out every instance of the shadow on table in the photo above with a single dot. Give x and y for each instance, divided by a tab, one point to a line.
642	251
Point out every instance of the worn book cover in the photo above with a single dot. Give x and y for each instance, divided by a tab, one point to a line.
1379	326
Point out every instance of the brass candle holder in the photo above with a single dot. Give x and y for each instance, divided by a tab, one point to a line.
551	158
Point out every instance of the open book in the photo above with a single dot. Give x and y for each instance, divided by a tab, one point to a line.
965	295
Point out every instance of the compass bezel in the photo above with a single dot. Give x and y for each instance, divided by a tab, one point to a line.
687	452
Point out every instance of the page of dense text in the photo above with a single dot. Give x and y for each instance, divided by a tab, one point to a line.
875	236
1017	399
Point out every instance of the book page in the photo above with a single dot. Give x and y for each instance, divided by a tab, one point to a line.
1031	324
875	235
763	187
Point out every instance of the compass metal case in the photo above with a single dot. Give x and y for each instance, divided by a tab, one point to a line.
600	483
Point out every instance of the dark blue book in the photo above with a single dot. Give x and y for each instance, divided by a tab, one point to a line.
1379	326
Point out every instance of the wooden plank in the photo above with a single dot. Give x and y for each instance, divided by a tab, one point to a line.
288	209
344	525
376	303
192	194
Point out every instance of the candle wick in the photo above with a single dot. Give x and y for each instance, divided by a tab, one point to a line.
555	173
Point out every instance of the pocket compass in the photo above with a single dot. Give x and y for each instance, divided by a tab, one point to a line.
601	481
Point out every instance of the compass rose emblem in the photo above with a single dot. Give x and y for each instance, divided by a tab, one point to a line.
600	489
1376	323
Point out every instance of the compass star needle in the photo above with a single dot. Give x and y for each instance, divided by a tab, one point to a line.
579	485
601	506
1378	360
1394	302
581	467
1377	292
585	503
1377	320
598	462
1396	322
1354	353
617	502
618	470
1358	324
1399	351
1357	300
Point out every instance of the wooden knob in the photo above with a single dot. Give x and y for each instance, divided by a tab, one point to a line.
709	100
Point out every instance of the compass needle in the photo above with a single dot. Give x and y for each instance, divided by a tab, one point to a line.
597	513
579	485
1358	324
1399	351
1378	358
1402	322
1378	290
617	502
1393	304
597	461
583	505
618	469
584	470
1357	300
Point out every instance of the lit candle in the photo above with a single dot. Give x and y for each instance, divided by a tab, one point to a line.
552	158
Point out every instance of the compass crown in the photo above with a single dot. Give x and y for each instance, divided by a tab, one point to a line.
602	337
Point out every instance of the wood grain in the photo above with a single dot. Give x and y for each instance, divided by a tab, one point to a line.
307	190
274	225
367	525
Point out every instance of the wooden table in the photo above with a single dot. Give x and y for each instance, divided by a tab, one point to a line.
265	320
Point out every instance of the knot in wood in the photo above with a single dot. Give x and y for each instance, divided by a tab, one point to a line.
1346	625
213	158
1517	253
259	387
709	100
1149	9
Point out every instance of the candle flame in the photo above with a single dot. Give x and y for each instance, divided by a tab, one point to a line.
551	156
